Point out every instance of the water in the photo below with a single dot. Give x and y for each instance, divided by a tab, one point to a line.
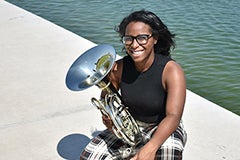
208	36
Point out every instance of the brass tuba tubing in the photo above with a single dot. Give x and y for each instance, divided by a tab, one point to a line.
92	68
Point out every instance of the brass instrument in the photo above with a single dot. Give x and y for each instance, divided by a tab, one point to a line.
91	68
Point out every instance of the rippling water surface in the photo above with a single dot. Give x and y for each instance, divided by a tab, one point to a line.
208	36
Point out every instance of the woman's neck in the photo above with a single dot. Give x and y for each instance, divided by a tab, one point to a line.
146	64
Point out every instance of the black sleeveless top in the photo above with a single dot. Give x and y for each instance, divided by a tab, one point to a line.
142	92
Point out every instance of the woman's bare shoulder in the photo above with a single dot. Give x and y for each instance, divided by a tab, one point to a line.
173	74
116	73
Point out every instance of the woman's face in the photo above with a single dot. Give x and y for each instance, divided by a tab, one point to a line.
140	52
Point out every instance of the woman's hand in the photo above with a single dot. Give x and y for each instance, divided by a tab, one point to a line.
145	153
107	122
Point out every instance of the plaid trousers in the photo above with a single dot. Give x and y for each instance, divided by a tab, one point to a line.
106	146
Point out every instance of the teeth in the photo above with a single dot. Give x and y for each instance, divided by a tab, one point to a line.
137	52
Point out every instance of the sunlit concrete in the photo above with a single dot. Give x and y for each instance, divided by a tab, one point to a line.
41	119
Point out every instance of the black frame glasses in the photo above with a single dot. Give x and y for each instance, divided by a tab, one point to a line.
141	39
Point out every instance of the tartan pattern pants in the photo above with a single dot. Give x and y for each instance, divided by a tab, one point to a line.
106	146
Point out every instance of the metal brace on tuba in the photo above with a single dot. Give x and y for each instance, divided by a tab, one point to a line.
91	68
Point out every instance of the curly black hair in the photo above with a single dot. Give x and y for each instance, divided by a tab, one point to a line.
165	39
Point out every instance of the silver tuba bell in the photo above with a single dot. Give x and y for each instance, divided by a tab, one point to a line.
91	68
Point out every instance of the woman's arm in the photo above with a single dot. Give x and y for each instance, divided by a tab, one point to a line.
116	73
175	85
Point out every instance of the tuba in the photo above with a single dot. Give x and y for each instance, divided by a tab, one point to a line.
92	68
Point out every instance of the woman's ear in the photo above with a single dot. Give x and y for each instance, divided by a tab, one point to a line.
155	41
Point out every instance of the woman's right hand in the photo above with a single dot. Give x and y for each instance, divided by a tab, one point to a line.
107	122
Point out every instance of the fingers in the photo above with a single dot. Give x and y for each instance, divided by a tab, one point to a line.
107	121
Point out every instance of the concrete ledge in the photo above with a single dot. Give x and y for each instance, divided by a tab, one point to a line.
213	132
42	119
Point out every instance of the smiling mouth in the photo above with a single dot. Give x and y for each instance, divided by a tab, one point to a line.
137	52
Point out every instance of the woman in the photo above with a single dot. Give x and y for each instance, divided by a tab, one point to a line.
153	87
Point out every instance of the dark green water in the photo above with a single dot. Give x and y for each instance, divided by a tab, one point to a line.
208	36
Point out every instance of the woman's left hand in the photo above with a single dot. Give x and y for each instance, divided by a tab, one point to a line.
145	153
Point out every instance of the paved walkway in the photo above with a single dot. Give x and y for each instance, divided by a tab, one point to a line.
41	119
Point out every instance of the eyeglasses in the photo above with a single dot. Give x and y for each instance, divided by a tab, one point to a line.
141	39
